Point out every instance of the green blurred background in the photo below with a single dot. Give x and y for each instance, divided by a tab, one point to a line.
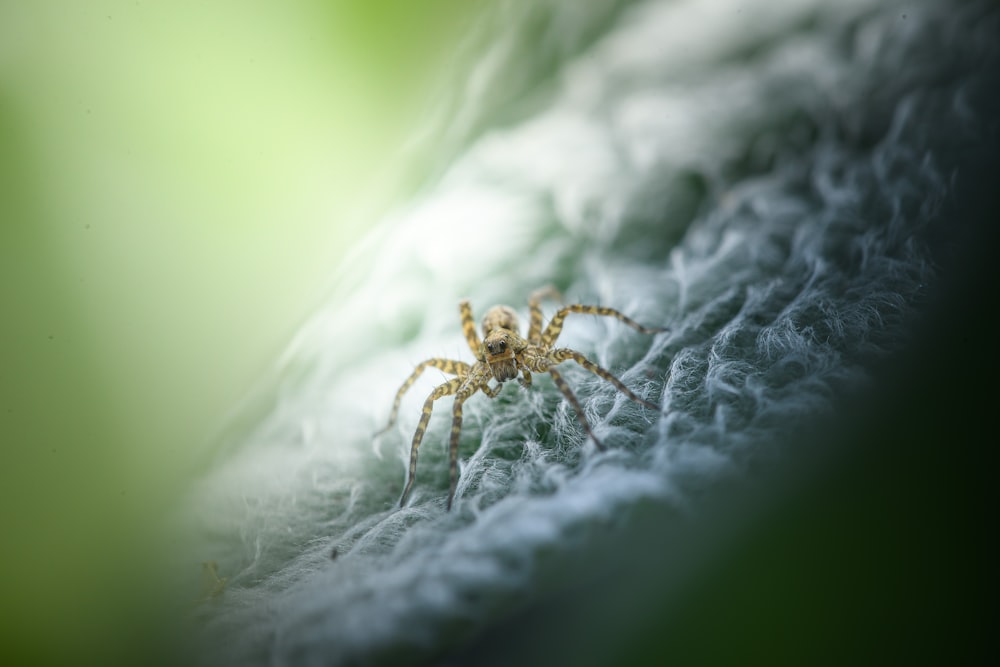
178	182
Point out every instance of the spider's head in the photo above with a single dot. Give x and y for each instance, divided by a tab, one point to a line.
499	348
499	317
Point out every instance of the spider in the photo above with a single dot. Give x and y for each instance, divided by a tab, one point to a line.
502	355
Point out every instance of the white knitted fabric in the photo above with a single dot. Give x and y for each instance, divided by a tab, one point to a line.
765	179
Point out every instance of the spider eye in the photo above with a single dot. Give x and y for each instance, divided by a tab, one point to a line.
502	345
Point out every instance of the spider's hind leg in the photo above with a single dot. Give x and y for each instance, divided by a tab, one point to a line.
535	306
469	328
555	326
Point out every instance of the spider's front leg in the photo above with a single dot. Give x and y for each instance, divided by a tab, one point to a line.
459	368
477	380
446	389
525	378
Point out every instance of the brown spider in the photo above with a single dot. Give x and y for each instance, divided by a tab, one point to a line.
501	356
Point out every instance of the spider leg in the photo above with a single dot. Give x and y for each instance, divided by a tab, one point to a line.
459	368
468	388
565	354
571	397
525	378
556	323
446	389
535	304
492	392
469	328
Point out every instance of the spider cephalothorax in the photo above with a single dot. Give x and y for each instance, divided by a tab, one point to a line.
500	351
504	355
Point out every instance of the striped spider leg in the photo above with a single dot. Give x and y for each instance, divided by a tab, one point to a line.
504	355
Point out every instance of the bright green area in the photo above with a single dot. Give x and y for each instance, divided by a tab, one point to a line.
177	184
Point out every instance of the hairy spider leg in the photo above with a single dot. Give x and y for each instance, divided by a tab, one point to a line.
471	385
478	379
446	389
469	329
571	397
564	354
535	306
491	391
525	378
556	323
459	368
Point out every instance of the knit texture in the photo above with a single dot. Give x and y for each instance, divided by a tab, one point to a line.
771	181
